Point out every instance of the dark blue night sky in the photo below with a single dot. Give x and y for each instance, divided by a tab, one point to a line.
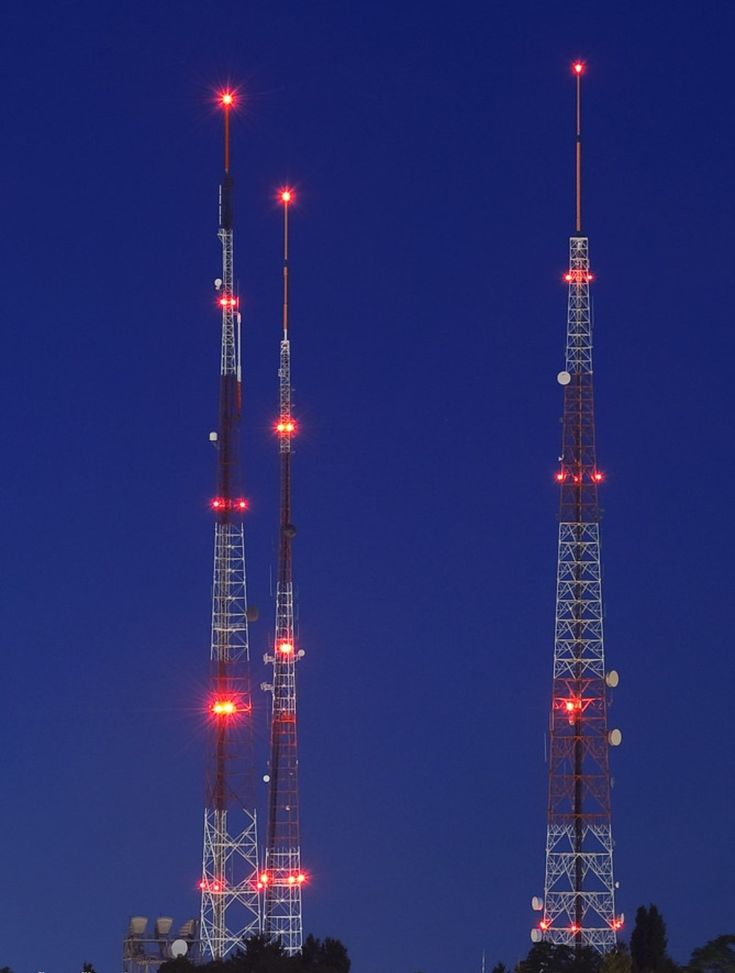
431	147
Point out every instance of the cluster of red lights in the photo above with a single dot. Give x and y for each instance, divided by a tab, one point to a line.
595	476
578	277
616	923
222	503
211	886
286	648
230	302
298	879
224	707
285	426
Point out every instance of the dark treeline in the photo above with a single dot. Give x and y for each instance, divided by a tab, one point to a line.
647	953
260	955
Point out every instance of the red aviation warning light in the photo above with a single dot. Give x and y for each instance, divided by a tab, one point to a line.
228	302
597	476
572	708
224	707
227	99
543	925
286	426
301	878
286	195
560	476
207	886
578	67
286	648
577	276
264	878
239	504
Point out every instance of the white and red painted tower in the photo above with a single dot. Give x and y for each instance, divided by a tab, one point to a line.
230	898
281	877
578	908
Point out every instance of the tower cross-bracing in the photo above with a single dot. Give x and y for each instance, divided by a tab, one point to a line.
282	877
578	907
230	900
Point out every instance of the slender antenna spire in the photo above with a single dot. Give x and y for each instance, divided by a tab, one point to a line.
285	199
228	100
578	70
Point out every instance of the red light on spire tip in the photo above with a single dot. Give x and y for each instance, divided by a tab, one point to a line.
286	195
227	99
578	67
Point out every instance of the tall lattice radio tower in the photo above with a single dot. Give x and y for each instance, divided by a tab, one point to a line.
578	908
230	899
282	877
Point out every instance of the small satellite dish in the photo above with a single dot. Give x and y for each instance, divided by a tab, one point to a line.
563	378
300	654
213	437
218	282
266	778
535	935
537	904
179	948
612	679
615	738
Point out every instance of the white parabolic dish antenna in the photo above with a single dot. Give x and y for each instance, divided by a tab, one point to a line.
563	378
537	904
179	948
615	738
535	935
612	679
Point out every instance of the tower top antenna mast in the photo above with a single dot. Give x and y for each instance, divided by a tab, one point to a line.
227	100
286	195
578	68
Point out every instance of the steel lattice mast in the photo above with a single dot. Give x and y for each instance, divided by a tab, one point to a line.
579	888
230	900
282	877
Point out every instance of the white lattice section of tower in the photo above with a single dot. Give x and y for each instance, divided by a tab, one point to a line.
228	302
229	595
230	907
579	316
285	420
578	643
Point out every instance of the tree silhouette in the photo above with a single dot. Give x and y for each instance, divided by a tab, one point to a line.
716	956
648	942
